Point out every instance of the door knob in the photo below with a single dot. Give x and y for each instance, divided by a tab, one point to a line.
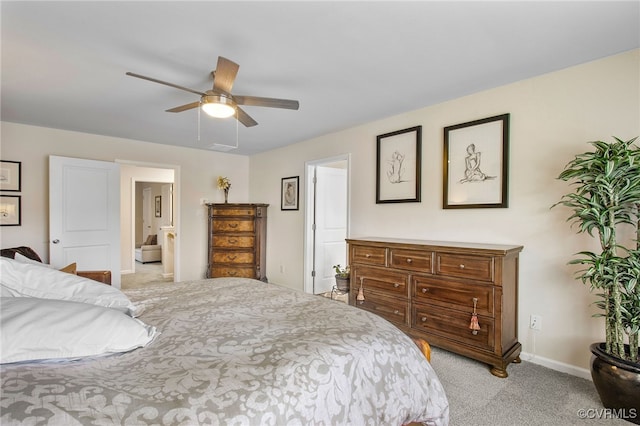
56	241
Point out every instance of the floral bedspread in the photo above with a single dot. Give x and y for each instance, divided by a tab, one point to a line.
241	352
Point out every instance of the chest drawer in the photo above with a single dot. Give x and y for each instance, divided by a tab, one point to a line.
233	257
233	211
369	255
454	325
395	311
384	281
465	266
232	241
225	271
454	294
233	225
412	260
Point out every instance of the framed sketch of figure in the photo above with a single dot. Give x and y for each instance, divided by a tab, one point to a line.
289	193
476	166
398	166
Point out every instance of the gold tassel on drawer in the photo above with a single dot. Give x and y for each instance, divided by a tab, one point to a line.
474	326
360	296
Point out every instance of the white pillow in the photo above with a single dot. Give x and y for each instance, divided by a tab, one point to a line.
36	280
37	329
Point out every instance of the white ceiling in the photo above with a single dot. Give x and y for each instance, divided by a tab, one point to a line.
348	63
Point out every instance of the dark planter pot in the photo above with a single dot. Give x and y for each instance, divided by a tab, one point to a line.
617	382
342	284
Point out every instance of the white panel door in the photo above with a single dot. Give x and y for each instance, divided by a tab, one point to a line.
331	225
84	214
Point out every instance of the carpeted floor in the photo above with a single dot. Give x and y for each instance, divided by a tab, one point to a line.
532	395
145	273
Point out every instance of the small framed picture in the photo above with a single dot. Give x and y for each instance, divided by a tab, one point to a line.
289	193
10	176
476	164
398	166
10	210
158	206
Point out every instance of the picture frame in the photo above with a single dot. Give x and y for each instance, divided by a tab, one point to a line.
289	193
10	176
158	206
476	164
10	210
398	166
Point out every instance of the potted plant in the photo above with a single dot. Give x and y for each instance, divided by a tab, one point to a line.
606	201
342	277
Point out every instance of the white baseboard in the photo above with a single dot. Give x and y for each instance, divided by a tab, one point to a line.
127	271
556	365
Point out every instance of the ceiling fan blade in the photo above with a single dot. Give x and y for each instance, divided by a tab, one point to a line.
225	75
266	102
245	119
184	107
165	83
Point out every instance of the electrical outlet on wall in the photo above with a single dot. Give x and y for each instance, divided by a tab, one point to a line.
535	322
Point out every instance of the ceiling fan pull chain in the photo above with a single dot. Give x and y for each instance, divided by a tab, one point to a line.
198	124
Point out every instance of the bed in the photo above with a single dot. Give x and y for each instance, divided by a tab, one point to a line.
235	351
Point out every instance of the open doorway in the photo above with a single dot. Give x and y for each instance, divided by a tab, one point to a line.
326	221
150	218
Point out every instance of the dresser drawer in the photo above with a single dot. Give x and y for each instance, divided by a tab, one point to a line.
453	325
232	241
234	211
384	281
395	311
233	225
368	255
412	260
464	266
223	271
233	257
454	294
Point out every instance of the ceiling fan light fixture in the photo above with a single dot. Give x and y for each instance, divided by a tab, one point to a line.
218	106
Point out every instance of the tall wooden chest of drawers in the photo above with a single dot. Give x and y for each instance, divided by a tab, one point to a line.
237	241
429	289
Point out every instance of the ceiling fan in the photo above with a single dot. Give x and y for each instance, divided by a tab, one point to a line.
219	102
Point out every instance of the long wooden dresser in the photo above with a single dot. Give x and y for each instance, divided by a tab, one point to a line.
431	289
237	241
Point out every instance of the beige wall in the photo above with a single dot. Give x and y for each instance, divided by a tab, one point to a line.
552	118
198	170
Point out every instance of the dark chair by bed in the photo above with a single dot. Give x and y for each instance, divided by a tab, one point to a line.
100	276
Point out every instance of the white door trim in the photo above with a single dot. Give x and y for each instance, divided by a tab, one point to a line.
176	208
309	213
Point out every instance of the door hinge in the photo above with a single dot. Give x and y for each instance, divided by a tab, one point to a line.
313	274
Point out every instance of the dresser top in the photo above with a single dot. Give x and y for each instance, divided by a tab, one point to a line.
434	245
238	204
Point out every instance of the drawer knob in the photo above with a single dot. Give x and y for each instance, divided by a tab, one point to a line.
423	319
367	255
396	312
461	266
233	240
425	290
231	257
409	260
233	225
396	285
